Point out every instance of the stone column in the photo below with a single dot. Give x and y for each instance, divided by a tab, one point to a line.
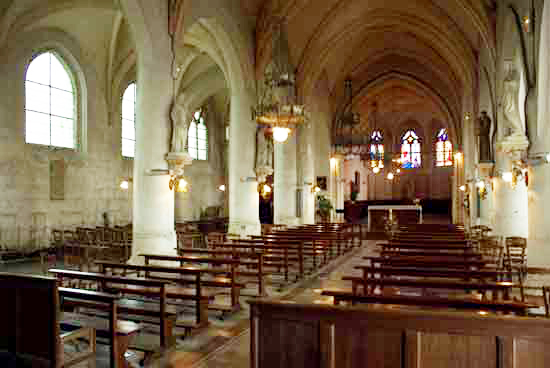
153	208
184	207
285	182
511	207
244	216
306	174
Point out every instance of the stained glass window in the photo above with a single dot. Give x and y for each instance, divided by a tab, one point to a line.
411	154
129	121
49	102
376	150
197	139
443	149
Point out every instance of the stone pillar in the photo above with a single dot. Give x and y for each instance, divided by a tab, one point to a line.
244	216
285	182
184	207
306	174
511	207
486	215
153	209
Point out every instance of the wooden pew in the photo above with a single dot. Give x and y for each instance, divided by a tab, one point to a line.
195	295
429	262
119	332
230	281
519	308
166	317
29	315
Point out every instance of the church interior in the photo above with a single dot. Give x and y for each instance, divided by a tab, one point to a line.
274	183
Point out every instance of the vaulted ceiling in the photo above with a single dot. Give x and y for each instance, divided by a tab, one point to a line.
409	55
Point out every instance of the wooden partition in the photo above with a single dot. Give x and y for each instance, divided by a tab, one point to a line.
292	335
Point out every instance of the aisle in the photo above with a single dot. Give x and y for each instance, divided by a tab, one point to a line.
234	352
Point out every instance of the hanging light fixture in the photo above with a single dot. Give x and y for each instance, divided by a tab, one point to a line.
279	107
344	141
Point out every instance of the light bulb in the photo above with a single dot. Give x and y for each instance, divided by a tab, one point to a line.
267	188
480	184
508	177
182	186
280	134
316	189
548	158
398	171
124	185
222	187
390	176
376	170
462	188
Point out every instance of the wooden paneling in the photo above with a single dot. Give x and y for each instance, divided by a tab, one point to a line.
456	351
293	344
357	345
288	335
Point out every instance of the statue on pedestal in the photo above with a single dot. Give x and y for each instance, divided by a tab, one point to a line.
514	135
180	127
483	131
264	155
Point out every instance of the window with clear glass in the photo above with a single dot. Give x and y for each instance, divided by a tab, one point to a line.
50	100
197	138
411	154
129	121
443	150
376	150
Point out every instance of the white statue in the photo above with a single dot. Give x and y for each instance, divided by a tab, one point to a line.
180	126
510	104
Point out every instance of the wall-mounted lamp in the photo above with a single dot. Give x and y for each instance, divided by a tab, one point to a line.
462	188
182	186
315	189
376	170
280	134
221	188
390	176
508	176
526	23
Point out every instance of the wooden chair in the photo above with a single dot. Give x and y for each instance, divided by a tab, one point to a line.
492	247
516	255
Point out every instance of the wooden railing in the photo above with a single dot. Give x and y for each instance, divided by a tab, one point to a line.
292	335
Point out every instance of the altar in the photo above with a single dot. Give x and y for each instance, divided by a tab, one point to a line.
403	215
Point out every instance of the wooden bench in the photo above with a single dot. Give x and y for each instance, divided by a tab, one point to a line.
118	332
518	308
195	295
370	284
156	288
217	282
31	335
428	262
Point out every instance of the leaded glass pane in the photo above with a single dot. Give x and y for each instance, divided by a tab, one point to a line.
37	128
62	103
59	77
49	103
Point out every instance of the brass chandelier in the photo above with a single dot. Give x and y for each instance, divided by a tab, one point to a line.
278	106
345	143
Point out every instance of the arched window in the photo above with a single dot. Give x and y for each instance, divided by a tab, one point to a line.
197	139
50	102
411	155
129	121
376	150
443	149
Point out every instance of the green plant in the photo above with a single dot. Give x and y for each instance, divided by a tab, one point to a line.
354	195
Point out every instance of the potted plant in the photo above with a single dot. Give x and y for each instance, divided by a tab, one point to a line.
325	207
354	194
